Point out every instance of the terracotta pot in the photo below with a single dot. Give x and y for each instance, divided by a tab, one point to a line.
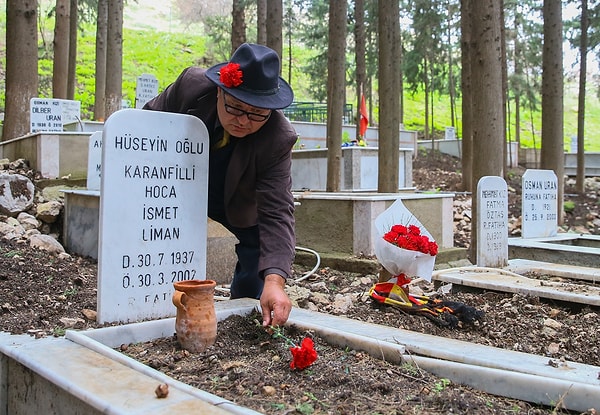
196	321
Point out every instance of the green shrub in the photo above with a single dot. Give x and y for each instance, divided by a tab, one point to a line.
568	206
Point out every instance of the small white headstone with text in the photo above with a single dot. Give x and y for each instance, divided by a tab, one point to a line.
492	222
146	88
94	170
51	114
539	204
153	212
45	115
71	110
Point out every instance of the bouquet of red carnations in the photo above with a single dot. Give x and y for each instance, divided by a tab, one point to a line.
403	246
406	250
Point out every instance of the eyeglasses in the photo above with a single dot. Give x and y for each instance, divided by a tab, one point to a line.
252	116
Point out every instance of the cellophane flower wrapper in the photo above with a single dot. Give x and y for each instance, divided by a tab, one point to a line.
398	260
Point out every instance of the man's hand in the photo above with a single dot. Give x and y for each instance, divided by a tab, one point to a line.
274	302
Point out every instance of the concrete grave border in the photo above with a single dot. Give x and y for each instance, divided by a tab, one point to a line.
563	248
497	371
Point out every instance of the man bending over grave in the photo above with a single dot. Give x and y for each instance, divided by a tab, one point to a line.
249	180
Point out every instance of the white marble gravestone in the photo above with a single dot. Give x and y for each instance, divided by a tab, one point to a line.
71	110
94	171
146	88
153	210
573	144
539	204
45	115
492	222
51	114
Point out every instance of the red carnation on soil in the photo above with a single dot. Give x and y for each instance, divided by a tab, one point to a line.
304	355
231	75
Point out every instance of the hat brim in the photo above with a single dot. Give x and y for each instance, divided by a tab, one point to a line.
281	99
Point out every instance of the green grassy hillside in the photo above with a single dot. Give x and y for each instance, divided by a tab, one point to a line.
414	107
162	54
165	54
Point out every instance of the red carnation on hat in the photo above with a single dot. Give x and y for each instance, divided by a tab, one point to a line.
231	75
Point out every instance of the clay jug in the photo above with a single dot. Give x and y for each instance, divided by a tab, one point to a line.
196	320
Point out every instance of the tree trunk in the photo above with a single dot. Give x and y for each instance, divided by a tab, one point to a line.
451	90
114	57
336	82
583	46
360	57
505	155
488	119
389	145
60	68
467	95
238	24
552	155
274	26
400	78
261	22
426	100
21	66
73	29
289	21
101	36
518	75
431	94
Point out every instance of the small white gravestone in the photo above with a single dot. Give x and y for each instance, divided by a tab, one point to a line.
153	212
450	133
45	115
492	222
573	144
71	110
539	204
146	89
94	170
51	114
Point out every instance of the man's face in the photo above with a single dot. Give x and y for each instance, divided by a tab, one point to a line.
238	118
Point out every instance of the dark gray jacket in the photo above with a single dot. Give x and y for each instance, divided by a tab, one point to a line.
258	181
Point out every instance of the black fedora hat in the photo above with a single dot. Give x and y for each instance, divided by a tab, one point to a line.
252	76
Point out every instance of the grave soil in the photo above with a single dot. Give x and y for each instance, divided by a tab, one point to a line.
43	295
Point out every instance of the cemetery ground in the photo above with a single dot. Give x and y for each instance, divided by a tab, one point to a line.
43	295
